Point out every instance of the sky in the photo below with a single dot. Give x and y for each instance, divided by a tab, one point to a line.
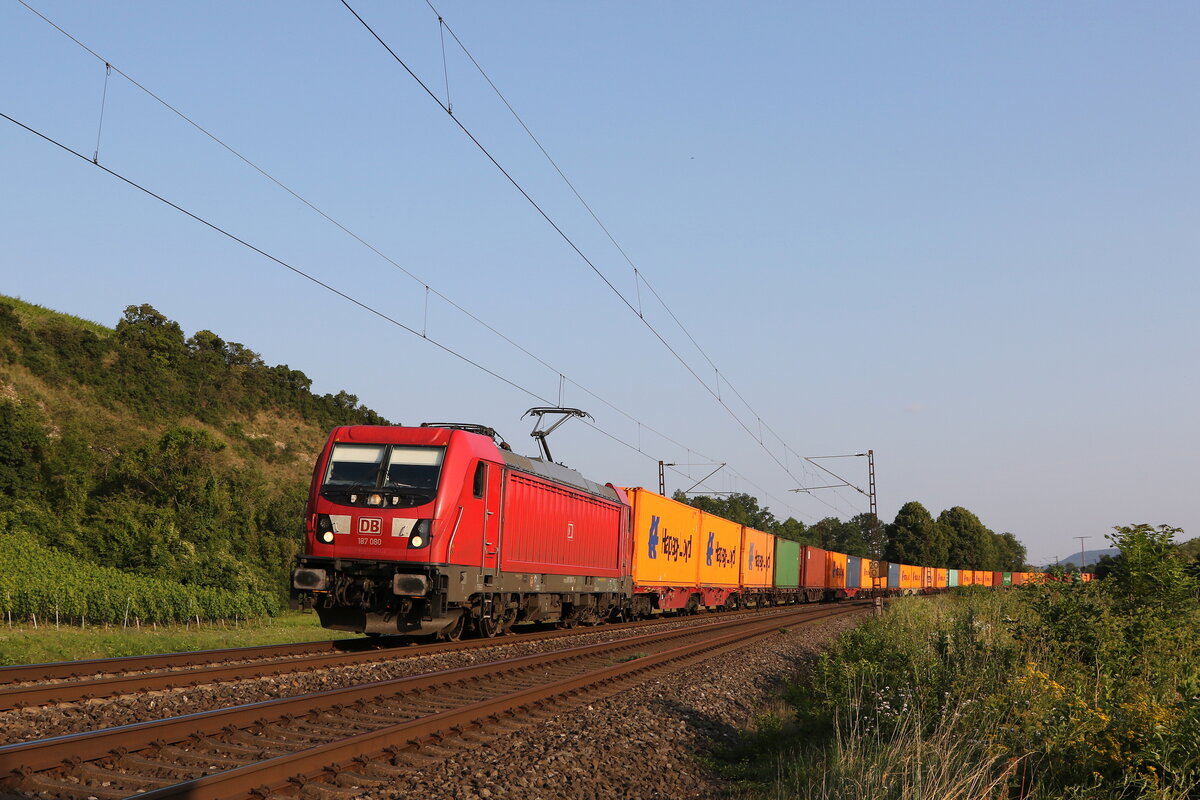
963	236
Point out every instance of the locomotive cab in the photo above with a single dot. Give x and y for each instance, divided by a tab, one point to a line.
386	509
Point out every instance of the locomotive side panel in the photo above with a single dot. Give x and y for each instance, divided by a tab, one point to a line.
557	530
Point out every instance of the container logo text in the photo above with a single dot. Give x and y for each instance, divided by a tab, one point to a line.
723	556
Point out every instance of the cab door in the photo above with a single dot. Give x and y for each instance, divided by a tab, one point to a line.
491	519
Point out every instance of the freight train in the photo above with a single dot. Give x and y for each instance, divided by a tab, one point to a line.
444	530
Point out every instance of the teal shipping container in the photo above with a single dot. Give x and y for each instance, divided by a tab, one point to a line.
953	581
787	563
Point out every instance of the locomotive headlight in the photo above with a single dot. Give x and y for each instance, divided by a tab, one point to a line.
325	528
374	499
420	534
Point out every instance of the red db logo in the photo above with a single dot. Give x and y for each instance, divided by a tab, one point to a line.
373	525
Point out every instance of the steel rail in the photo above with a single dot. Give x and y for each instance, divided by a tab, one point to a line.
25	758
215	669
292	771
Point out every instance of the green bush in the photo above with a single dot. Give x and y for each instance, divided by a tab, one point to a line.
1056	690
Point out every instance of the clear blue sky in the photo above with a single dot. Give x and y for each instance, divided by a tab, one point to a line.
963	235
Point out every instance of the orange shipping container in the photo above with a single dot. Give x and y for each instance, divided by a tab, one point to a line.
926	577
665	552
966	577
758	552
835	570
720	542
941	577
910	577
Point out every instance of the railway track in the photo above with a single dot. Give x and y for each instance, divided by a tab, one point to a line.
338	742
74	681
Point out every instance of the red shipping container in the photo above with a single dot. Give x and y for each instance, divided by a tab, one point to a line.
812	567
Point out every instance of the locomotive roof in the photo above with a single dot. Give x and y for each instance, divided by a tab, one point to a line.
559	474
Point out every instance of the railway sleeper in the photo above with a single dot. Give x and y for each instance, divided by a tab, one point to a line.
232	749
353	779
135	780
323	732
39	783
379	718
339	721
282	734
267	743
161	769
209	762
319	790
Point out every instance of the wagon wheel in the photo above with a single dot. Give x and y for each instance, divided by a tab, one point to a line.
693	606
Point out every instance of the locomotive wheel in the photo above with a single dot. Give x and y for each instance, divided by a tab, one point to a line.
487	627
490	622
455	631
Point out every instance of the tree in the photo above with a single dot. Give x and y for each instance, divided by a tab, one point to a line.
739	507
23	444
915	538
158	338
969	540
1010	552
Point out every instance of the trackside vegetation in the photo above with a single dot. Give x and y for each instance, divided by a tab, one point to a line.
149	475
1059	690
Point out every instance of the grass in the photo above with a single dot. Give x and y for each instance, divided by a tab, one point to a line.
34	312
1044	693
23	644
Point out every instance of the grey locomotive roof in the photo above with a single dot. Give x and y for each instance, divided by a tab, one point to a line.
558	473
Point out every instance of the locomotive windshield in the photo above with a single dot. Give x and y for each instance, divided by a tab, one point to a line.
404	475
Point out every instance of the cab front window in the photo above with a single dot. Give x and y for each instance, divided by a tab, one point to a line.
392	476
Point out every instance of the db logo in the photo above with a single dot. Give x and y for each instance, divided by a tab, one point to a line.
372	525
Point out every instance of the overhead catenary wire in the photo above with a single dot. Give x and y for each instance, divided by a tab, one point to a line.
639	275
109	67
301	273
427	289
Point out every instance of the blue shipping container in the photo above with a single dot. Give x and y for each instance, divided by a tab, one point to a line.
893	576
854	572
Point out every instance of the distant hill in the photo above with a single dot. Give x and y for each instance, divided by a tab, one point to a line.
1090	557
163	455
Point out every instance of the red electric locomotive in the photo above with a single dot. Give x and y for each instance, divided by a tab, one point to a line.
438	529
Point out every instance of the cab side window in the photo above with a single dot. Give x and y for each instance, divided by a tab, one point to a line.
480	473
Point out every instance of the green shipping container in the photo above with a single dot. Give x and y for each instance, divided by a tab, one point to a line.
787	563
1008	579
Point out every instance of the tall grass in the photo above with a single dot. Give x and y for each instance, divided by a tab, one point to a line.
1058	691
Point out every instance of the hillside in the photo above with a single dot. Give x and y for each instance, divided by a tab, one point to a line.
140	449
